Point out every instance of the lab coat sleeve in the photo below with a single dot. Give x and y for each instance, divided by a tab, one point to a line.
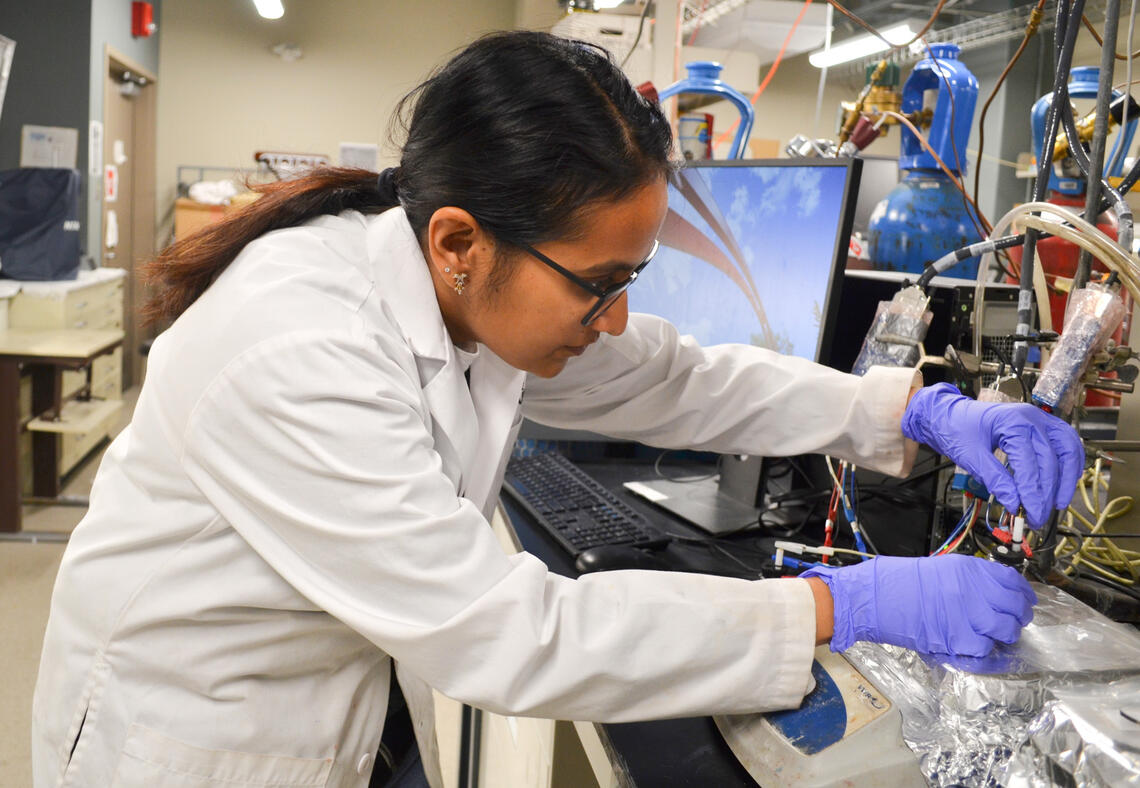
314	449
651	385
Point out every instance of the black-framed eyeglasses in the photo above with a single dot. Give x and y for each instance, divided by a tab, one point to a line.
606	295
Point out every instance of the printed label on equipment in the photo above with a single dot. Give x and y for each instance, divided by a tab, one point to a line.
842	702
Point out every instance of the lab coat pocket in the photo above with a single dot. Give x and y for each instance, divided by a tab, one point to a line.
152	760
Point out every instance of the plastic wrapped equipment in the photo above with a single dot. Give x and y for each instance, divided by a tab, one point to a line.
1093	314
896	334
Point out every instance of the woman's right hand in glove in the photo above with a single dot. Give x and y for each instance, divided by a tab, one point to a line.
952	604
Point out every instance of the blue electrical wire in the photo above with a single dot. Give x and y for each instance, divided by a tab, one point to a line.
966	515
849	511
796	563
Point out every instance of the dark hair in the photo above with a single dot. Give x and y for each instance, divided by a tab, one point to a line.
523	130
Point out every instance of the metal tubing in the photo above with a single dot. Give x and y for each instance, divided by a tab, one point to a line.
1100	134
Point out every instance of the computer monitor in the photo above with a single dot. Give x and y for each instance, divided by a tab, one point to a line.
880	175
752	252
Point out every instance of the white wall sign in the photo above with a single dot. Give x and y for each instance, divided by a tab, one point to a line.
359	154
49	146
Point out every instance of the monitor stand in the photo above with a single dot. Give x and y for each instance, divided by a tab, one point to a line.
719	505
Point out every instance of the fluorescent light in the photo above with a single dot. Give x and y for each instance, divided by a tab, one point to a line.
861	46
599	4
270	9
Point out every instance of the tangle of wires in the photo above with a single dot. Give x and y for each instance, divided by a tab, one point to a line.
1084	549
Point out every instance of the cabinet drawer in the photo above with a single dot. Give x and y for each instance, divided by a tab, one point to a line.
73	381
107	365
109	316
99	314
83	309
75	446
93	306
109	387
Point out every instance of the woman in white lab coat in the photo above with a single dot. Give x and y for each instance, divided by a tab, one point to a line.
303	493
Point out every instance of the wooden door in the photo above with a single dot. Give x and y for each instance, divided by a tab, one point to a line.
128	192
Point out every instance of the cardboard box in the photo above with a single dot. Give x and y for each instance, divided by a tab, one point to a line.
759	148
191	216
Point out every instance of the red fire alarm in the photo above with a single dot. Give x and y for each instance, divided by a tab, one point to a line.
142	20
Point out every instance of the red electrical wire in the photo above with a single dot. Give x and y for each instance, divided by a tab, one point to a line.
832	513
771	72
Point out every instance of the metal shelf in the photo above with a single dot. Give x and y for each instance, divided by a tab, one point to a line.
975	33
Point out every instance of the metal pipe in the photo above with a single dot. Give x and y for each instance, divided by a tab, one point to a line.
1112	445
1100	134
1111	384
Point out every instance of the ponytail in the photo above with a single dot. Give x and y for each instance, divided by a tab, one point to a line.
183	271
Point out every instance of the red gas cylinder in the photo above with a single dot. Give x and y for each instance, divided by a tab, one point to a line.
1058	258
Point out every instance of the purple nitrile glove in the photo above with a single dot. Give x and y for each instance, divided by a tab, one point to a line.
1044	452
948	604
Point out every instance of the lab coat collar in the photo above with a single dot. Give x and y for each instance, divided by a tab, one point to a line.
400	276
399	266
477	418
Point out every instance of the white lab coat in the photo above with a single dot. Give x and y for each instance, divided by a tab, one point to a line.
303	495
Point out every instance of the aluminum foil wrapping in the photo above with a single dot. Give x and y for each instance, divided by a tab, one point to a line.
1093	314
965	718
896	334
991	394
1088	735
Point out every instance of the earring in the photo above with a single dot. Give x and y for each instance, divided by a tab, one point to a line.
460	282
447	270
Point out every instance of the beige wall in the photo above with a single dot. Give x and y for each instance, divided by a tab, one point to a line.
224	95
536	14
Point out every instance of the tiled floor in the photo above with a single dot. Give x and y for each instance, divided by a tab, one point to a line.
27	574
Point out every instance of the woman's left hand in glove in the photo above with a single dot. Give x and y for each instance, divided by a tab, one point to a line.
1045	454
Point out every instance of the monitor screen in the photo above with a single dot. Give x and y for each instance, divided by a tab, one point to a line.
880	176
753	252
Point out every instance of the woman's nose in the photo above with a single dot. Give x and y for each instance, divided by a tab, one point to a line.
613	320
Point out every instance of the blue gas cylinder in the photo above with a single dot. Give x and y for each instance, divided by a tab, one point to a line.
920	220
1083	84
925	216
704	77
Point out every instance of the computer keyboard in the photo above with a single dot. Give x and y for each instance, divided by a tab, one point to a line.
573	508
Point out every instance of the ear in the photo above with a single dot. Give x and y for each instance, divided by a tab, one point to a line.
457	244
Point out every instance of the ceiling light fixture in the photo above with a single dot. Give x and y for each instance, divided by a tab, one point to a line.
270	9
861	46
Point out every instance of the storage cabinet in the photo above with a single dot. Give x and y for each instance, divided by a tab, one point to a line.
93	301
